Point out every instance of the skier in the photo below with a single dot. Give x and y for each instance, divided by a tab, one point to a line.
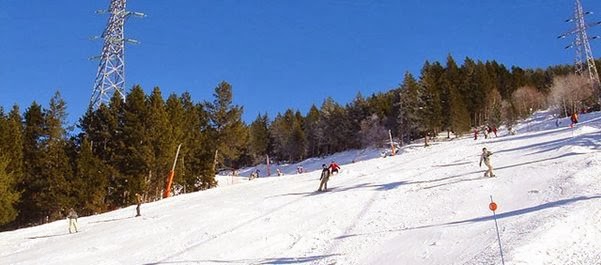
511	131
325	176
334	168
486	158
299	169
574	119
494	130
254	175
139	202
485	132
279	172
475	133
72	216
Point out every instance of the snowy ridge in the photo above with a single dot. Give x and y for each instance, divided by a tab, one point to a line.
425	206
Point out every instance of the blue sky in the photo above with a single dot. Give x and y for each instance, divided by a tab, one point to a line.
277	54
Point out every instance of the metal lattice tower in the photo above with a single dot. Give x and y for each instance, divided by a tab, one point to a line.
110	77
581	44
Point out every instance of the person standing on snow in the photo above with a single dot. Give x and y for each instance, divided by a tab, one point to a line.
325	176
574	119
486	158
139	202
72	216
334	168
475	133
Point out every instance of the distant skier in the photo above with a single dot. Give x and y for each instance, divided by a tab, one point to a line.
254	175
72	216
299	169
334	168
574	119
486	158
486	131
279	172
494	130
325	176
511	131
475	133
138	202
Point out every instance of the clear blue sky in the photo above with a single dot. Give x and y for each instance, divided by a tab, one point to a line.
276	53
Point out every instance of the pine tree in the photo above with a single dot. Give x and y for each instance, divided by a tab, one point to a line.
162	145
409	107
357	111
311	129
299	138
430	87
198	154
134	159
460	120
9	196
281	131
177	133
333	126
57	169
103	128
259	138
30	206
288	136
11	142
452	82
91	175
495	109
228	130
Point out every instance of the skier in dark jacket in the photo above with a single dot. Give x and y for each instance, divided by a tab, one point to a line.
325	176
138	202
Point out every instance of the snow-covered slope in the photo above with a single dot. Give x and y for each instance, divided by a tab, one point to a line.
425	206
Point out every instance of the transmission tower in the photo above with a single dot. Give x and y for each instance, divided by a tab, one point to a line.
581	44
110	77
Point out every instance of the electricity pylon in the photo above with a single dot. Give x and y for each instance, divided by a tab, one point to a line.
110	77
581	44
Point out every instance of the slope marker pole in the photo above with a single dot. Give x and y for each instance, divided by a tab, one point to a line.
493	207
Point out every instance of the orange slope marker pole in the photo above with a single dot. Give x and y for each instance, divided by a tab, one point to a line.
493	207
171	175
391	143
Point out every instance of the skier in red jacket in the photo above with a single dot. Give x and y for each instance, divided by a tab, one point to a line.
334	167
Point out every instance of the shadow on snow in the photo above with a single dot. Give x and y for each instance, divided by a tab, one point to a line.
522	211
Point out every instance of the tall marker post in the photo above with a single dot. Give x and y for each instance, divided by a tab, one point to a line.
493	207
268	163
171	174
391	143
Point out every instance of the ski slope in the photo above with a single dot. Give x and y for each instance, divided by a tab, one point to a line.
424	206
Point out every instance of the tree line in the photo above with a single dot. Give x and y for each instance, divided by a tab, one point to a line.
128	146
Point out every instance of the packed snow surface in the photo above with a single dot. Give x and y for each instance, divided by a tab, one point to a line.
426	205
